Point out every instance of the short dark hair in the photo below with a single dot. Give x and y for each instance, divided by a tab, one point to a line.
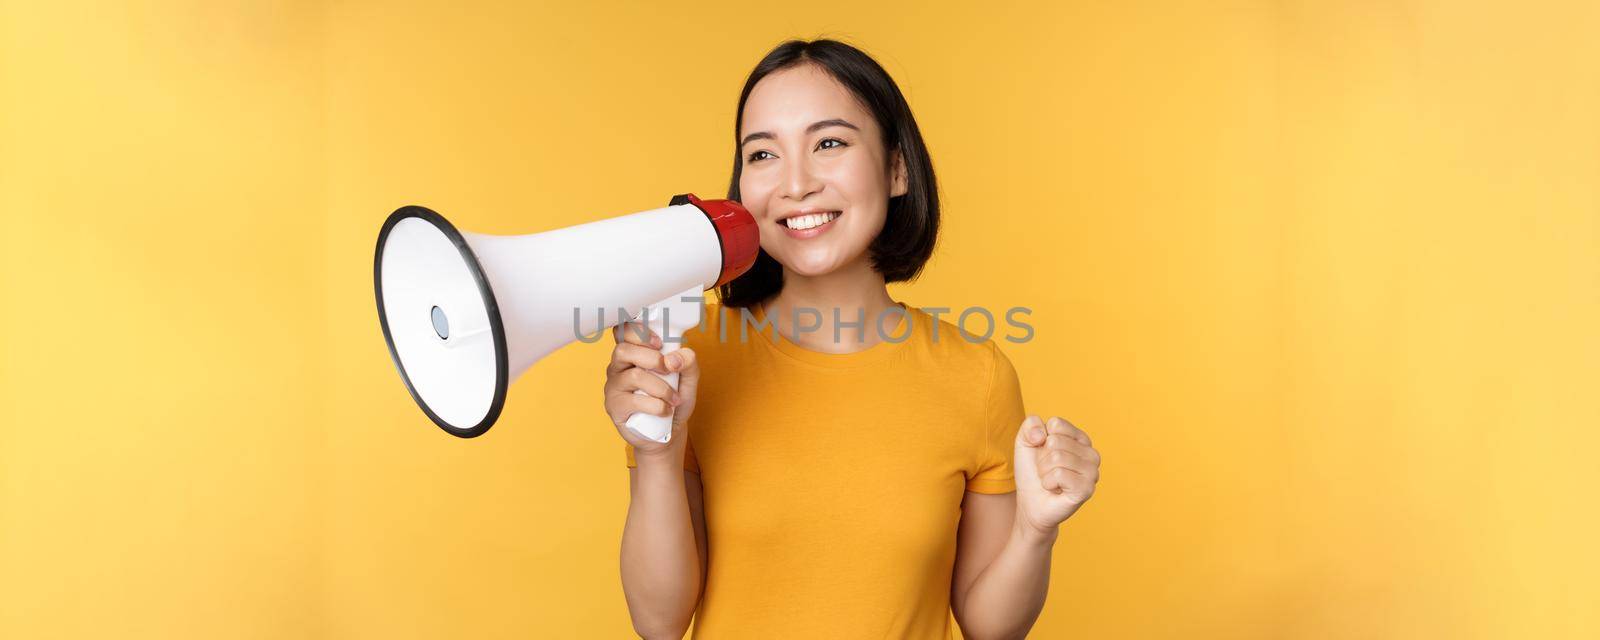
912	224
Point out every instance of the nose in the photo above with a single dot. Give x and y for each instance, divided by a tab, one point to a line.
799	182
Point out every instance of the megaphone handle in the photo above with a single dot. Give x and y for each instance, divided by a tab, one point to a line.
654	427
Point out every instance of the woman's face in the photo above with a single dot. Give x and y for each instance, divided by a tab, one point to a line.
816	175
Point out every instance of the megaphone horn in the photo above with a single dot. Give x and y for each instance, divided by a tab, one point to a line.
464	314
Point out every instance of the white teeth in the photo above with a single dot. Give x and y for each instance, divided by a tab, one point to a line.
801	223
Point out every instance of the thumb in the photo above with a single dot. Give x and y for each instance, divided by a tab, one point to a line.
1030	436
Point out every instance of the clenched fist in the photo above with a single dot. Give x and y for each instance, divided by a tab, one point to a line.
1056	468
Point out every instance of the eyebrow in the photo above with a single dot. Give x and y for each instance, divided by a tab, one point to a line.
815	127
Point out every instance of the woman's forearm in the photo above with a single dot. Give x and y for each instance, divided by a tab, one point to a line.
660	562
1006	598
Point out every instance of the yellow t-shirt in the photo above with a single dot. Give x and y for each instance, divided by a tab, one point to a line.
833	482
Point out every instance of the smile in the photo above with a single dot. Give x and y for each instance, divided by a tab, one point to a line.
810	224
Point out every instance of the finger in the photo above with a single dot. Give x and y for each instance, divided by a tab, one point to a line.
1064	443
1080	452
1088	453
1031	433
1065	482
682	361
1056	480
1060	425
627	355
636	403
635	333
1064	459
647	382
621	405
1060	441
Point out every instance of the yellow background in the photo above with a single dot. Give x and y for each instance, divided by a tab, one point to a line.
1321	279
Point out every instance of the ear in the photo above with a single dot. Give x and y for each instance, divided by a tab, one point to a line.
897	175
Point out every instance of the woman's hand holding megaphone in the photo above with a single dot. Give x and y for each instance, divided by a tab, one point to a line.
637	364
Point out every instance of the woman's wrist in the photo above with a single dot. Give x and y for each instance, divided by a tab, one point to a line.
667	457
1026	534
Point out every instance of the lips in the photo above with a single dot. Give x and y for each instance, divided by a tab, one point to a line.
808	223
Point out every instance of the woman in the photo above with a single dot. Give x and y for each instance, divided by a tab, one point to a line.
850	475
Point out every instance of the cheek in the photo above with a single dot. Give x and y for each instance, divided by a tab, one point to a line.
753	194
866	191
864	177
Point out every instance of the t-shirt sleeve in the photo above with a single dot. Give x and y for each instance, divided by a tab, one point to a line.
689	461
1003	414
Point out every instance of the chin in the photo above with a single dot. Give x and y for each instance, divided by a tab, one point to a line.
811	264
811	268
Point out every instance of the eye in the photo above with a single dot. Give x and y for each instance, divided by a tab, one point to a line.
757	156
837	143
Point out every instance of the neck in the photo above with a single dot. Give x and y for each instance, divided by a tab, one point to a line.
855	290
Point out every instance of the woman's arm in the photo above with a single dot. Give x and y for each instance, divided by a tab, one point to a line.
1003	547
663	542
663	546
1002	570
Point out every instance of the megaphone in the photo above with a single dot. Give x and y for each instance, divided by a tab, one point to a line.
465	314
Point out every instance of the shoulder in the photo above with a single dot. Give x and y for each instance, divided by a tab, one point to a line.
948	340
944	342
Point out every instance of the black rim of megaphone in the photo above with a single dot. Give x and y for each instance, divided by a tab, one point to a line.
498	329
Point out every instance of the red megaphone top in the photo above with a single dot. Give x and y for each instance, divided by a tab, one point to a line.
736	231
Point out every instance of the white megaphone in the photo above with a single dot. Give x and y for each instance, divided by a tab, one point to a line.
466	313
